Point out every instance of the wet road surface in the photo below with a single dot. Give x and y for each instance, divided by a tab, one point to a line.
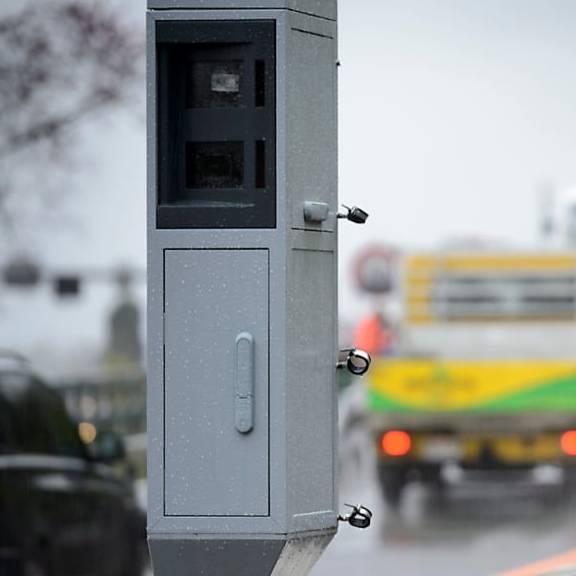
477	530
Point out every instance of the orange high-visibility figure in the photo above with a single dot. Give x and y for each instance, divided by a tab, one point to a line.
373	335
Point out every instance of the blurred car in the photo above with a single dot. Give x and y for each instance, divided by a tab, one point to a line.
64	510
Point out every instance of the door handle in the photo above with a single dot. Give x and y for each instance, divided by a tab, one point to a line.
244	383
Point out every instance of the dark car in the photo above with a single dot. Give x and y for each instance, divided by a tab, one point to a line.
64	511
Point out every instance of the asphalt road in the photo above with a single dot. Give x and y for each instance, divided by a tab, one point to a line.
480	529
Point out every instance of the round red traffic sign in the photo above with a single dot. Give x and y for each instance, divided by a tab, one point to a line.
374	269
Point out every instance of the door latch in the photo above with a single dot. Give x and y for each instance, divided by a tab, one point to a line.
354	214
356	361
360	517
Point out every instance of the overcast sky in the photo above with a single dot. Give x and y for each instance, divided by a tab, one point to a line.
452	114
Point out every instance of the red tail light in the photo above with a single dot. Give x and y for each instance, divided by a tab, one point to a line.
568	442
396	443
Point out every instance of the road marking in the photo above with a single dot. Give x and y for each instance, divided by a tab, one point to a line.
563	565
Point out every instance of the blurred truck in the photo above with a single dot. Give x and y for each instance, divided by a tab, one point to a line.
483	378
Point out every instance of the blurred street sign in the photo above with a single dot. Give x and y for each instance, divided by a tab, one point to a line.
21	273
374	269
67	286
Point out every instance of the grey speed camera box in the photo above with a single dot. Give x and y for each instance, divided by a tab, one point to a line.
242	322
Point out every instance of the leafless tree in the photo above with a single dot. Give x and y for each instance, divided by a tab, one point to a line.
60	62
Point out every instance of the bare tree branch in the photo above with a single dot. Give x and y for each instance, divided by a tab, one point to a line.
60	62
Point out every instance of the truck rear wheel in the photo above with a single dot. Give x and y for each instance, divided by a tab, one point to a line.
392	481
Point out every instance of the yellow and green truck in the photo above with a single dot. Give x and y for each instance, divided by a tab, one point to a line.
484	374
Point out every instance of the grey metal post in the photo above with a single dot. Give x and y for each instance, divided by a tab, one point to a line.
242	307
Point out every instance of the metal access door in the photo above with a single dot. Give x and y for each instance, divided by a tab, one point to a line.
216	331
